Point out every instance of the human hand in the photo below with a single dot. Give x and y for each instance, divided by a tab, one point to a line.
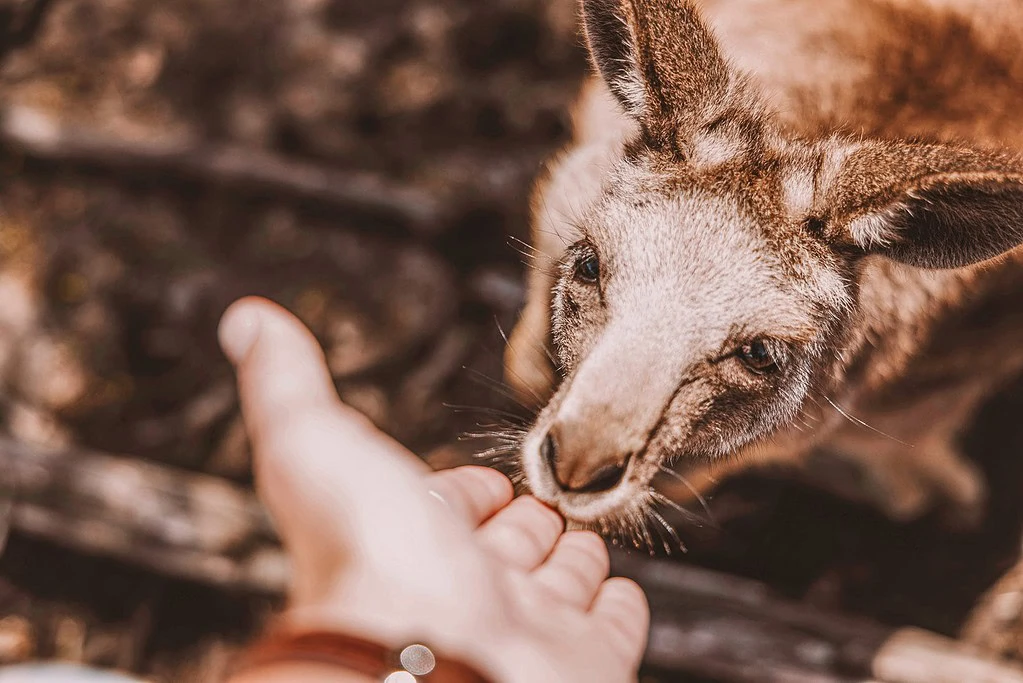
383	548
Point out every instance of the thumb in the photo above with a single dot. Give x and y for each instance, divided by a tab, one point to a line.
281	368
327	476
287	396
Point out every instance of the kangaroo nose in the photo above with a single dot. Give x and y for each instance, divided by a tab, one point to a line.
579	475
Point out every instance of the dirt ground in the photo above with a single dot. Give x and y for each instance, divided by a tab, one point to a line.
111	283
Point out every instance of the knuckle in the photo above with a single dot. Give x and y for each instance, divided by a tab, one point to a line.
537	541
589	544
488	483
548	516
519	534
498	485
626	592
577	578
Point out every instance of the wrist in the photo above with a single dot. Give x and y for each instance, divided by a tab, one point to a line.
299	672
473	643
287	652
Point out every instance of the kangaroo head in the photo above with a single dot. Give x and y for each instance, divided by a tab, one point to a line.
709	289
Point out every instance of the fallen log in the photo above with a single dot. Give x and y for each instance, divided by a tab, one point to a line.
173	522
704	623
733	629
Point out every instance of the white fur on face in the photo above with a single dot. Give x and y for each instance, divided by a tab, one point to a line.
833	163
798	189
695	261
680	276
714	149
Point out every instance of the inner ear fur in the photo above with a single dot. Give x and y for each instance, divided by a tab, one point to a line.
931	206
664	66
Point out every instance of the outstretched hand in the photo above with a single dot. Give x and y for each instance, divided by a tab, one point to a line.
385	548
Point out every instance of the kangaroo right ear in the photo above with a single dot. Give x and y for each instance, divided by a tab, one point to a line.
661	62
931	206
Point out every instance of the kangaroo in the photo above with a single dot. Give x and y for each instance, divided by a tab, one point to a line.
782	227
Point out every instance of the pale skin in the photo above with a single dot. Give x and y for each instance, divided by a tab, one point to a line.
386	549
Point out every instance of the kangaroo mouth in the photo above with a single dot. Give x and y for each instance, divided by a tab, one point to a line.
589	509
651	498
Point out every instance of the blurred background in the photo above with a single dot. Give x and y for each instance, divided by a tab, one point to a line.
368	165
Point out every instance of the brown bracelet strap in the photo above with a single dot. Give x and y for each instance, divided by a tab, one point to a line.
356	655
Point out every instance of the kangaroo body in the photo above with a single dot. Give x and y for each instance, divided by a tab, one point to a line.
922	342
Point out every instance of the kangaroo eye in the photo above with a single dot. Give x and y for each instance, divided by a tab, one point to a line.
758	357
588	269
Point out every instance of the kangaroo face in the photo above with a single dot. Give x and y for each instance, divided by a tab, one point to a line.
687	321
707	294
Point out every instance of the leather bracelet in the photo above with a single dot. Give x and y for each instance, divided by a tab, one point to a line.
356	655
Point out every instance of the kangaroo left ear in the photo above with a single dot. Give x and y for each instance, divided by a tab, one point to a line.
663	65
931	206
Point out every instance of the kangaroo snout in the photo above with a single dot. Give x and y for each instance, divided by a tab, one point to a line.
586	453
580	460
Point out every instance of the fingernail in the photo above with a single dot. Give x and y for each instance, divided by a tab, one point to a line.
238	331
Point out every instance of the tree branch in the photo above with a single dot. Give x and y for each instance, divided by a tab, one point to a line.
173	522
38	135
733	629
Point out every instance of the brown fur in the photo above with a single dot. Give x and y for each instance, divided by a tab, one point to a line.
838	178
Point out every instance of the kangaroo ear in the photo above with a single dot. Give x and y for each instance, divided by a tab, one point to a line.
661	62
931	206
